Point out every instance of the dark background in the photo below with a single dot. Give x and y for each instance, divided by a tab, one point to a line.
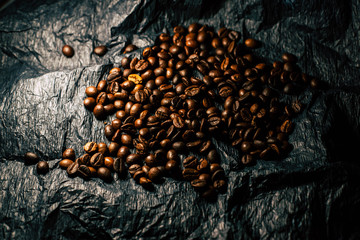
312	194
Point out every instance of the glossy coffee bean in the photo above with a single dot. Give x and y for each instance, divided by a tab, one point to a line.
90	147
68	51
65	163
42	167
100	50
31	158
104	173
69	153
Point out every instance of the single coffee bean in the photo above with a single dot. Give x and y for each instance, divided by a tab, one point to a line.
133	158
138	174
108	162
65	163
69	153
97	160
288	57
134	168
99	111
154	174
220	185
91	147
144	182
212	156
209	193
251	43
130	48
104	173
84	159
31	158
190	174
42	167
190	162
119	166
199	184
68	51
84	171
100	50
171	166
72	169
89	103
91	91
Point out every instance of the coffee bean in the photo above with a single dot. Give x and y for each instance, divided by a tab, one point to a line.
97	160
199	184
251	43
133	158
104	173
84	171
42	167
129	48
65	163
84	159
68	51
154	174
31	158
190	174
69	153
99	111
119	166
134	168
288	57
72	169
100	50
90	147
89	103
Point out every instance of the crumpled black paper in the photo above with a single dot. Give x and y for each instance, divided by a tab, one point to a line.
312	194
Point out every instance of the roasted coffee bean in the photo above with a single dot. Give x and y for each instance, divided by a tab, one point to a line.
190	174
99	111
199	184
287	126
212	156
68	51
91	147
31	158
251	43
91	91
72	169
113	148
134	168
100	50
65	163
42	167
133	158
84	159
69	153
130	48
220	185
154	174
84	171
89	103
104	173
190	162
97	160
119	166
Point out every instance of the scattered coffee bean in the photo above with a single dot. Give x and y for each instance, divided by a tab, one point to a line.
31	158
42	167
68	51
100	50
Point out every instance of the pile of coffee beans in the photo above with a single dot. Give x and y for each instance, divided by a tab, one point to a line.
191	86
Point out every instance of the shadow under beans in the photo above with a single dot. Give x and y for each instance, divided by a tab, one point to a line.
341	138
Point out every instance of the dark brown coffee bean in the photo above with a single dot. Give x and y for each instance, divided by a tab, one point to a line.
154	174
69	153
99	111
220	185
171	166
84	159
141	65
133	158
199	184
84	171
42	167
130	48
287	126
90	147
213	156
109	131
104	173
113	148
190	162
190	174
72	169
97	160
134	168
251	43
65	163
68	51
119	166
89	103
100	50
288	57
